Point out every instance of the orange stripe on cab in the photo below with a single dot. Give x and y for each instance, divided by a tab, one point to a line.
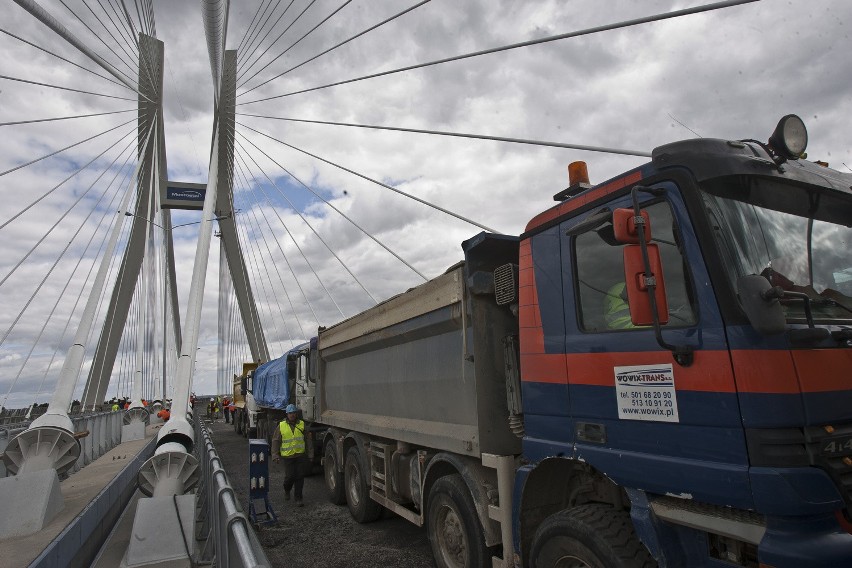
710	372
824	370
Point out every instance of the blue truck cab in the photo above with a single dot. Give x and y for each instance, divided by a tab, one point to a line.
685	345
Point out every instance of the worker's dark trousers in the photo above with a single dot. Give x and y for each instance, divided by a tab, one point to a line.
294	474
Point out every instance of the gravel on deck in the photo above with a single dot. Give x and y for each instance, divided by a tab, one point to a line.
320	534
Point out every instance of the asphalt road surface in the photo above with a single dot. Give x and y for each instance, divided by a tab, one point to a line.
320	534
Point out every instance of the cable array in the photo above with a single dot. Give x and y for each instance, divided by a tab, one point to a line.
51	269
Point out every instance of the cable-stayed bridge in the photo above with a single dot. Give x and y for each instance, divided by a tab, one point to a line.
107	278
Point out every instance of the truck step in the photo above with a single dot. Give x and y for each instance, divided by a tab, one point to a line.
380	457
724	521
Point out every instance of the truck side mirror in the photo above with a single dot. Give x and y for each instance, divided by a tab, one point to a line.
636	284
624	226
762	308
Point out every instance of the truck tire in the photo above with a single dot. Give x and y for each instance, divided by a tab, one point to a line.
334	482
357	489
453	526
590	536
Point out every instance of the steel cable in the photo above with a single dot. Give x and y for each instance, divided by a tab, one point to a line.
332	48
249	51
97	254
281	250
353	172
33	121
41	240
294	44
28	207
289	266
251	24
588	31
302	13
19	80
341	213
114	82
105	44
73	272
295	209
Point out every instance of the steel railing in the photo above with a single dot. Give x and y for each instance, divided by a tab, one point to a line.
104	433
224	530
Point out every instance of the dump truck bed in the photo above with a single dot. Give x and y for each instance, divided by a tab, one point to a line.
425	367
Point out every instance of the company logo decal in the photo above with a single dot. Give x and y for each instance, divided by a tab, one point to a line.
185	194
646	393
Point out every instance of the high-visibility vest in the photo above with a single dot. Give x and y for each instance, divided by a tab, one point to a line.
292	440
616	310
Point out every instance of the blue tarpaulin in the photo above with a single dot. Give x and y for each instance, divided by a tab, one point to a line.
271	388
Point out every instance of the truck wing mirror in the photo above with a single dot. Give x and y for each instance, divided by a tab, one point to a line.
761	304
625	226
639	285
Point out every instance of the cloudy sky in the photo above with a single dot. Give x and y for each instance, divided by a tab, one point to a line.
730	73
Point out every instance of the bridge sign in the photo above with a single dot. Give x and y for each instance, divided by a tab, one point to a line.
180	195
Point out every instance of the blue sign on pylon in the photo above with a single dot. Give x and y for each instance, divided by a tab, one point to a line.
181	195
260	508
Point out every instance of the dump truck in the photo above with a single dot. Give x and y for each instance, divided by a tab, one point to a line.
655	373
242	401
267	390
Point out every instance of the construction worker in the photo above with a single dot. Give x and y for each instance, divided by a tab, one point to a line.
164	414
616	310
226	403
288	443
115	406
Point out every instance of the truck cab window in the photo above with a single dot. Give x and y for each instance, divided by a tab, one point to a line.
602	303
799	249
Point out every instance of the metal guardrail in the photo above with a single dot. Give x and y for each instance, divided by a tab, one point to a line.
104	434
226	532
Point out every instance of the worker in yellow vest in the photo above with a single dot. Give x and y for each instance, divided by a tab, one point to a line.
288	442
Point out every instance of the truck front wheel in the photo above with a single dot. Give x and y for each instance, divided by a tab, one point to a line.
362	508
455	532
333	477
589	536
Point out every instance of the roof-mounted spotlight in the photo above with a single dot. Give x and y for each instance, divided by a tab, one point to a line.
790	138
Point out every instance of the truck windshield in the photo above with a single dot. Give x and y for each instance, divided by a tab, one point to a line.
794	241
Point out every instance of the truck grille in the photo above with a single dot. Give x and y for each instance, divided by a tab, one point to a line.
827	447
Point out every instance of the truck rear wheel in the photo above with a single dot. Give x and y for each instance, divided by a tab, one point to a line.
589	536
333	476
455	532
362	508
